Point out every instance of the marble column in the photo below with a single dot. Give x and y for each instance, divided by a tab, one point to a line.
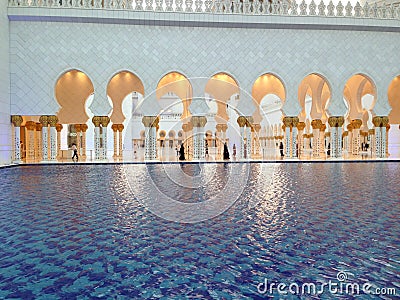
53	137
199	150
381	123
150	123
349	139
114	128
294	146
218	140
387	140
224	128
59	127
38	142
322	139
120	142
340	122
104	123
371	133
242	123
84	127
45	137
185	141
78	138
345	140
96	121
356	136
249	142
257	140
333	124
30	141
16	145
300	137
316	125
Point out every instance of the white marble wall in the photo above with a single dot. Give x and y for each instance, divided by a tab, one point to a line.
42	50
5	126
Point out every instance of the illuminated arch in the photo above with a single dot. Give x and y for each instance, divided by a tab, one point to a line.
317	87
72	89
179	84
121	85
394	100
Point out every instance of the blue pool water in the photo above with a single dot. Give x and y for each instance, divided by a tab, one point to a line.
86	232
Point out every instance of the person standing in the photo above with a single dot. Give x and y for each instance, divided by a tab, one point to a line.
281	149
75	152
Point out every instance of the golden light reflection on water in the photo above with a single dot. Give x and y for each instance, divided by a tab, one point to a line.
270	211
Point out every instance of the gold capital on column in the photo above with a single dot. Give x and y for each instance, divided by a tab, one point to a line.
249	121
316	124
241	121
340	121
114	127
150	121
44	120
218	127
30	125
257	127
301	126
59	127
323	127
356	123
199	121
120	127
96	121
52	120
385	121
224	127
333	122
295	121
84	127
371	131
17	120
346	133
77	127
380	121
39	126
350	127
104	121
287	121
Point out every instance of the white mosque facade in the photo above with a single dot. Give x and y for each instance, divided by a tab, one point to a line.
133	80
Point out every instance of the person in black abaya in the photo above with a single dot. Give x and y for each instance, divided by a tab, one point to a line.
226	152
182	152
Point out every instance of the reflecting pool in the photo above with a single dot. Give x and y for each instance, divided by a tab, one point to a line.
95	231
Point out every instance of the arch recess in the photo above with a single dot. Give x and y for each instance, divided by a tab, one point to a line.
72	90
121	85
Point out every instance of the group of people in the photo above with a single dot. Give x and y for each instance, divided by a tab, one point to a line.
181	152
